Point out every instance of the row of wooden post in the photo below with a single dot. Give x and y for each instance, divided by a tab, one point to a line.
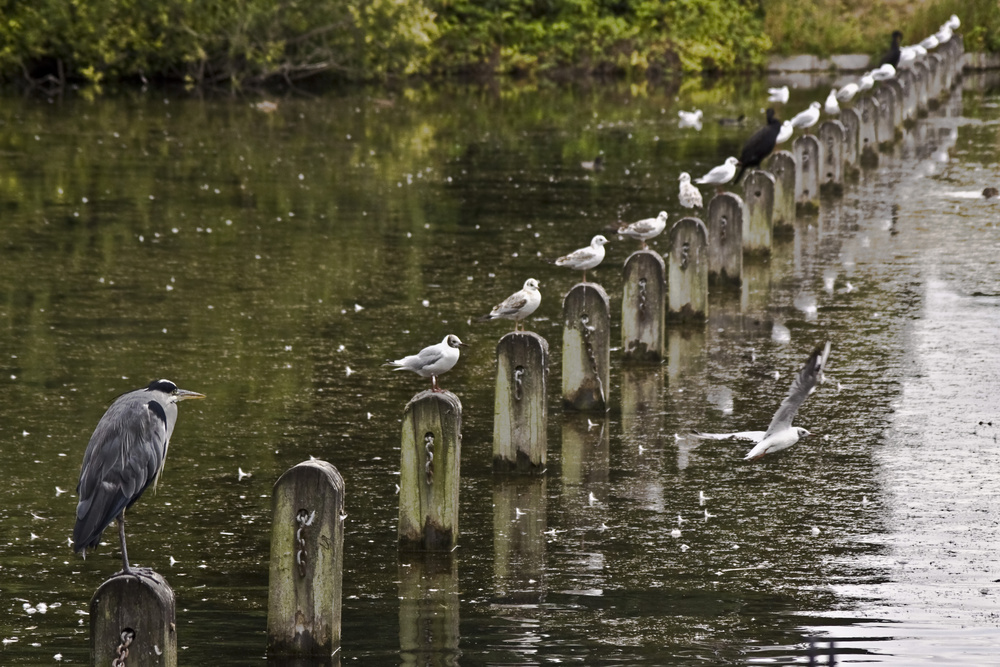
134	615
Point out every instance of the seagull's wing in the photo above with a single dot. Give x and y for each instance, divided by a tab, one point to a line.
714	175
422	359
581	255
803	385
641	227
511	305
751	436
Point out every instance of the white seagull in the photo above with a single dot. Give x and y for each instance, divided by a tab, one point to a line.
867	81
780	434
954	23
518	305
785	133
690	119
807	118
847	93
645	229
930	42
585	259
884	72
721	174
830	106
907	54
778	95
432	361
689	196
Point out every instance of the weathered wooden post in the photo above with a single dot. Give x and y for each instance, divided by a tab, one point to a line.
520	412
782	165
519	525
644	301
909	101
430	458
885	131
307	562
133	616
831	135
808	158
934	62
586	361
867	140
687	273
897	104
851	119
428	610
921	73
727	215
758	193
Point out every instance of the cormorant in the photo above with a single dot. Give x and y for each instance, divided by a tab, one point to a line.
759	145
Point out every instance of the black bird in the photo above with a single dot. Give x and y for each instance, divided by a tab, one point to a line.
125	455
759	145
892	55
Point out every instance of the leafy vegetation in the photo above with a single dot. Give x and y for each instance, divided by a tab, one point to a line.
206	42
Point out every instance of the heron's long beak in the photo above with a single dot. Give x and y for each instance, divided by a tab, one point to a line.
184	394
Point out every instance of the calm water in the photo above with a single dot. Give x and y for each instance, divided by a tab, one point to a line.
274	260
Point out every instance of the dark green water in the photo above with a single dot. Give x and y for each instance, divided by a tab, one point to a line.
274	260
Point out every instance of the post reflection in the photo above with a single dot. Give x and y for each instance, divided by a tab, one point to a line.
519	525
428	611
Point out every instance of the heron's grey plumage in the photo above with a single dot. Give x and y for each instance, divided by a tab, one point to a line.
125	455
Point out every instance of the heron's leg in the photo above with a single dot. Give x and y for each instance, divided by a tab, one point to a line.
121	537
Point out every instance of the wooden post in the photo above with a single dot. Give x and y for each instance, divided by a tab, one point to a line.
808	158
909	102
758	193
782	165
520	411
897	104
727	216
867	139
644	300
586	362
429	610
519	525
429	472
307	562
831	135
921	73
885	131
851	119
687	273
934	64
133	615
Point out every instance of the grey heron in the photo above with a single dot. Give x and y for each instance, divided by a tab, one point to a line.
125	455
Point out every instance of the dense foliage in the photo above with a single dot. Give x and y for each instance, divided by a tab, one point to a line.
252	41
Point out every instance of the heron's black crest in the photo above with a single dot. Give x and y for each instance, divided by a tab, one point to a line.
166	386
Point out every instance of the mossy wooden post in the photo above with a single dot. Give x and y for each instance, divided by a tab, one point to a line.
429	472
644	302
909	101
758	193
897	103
832	134
134	615
687	272
429	609
782	165
934	62
808	159
727	216
852	126
586	354
921	74
867	139
520	412
885	131
307	562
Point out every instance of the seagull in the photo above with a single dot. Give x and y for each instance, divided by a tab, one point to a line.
907	54
891	56
867	82
759	145
830	106
779	95
929	42
919	50
721	174
780	434
585	259
954	23
689	196
518	305
432	361
943	35
785	133
645	229
884	72
690	119
807	118
596	165
847	93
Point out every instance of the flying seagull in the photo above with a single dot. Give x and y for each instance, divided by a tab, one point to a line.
780	434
